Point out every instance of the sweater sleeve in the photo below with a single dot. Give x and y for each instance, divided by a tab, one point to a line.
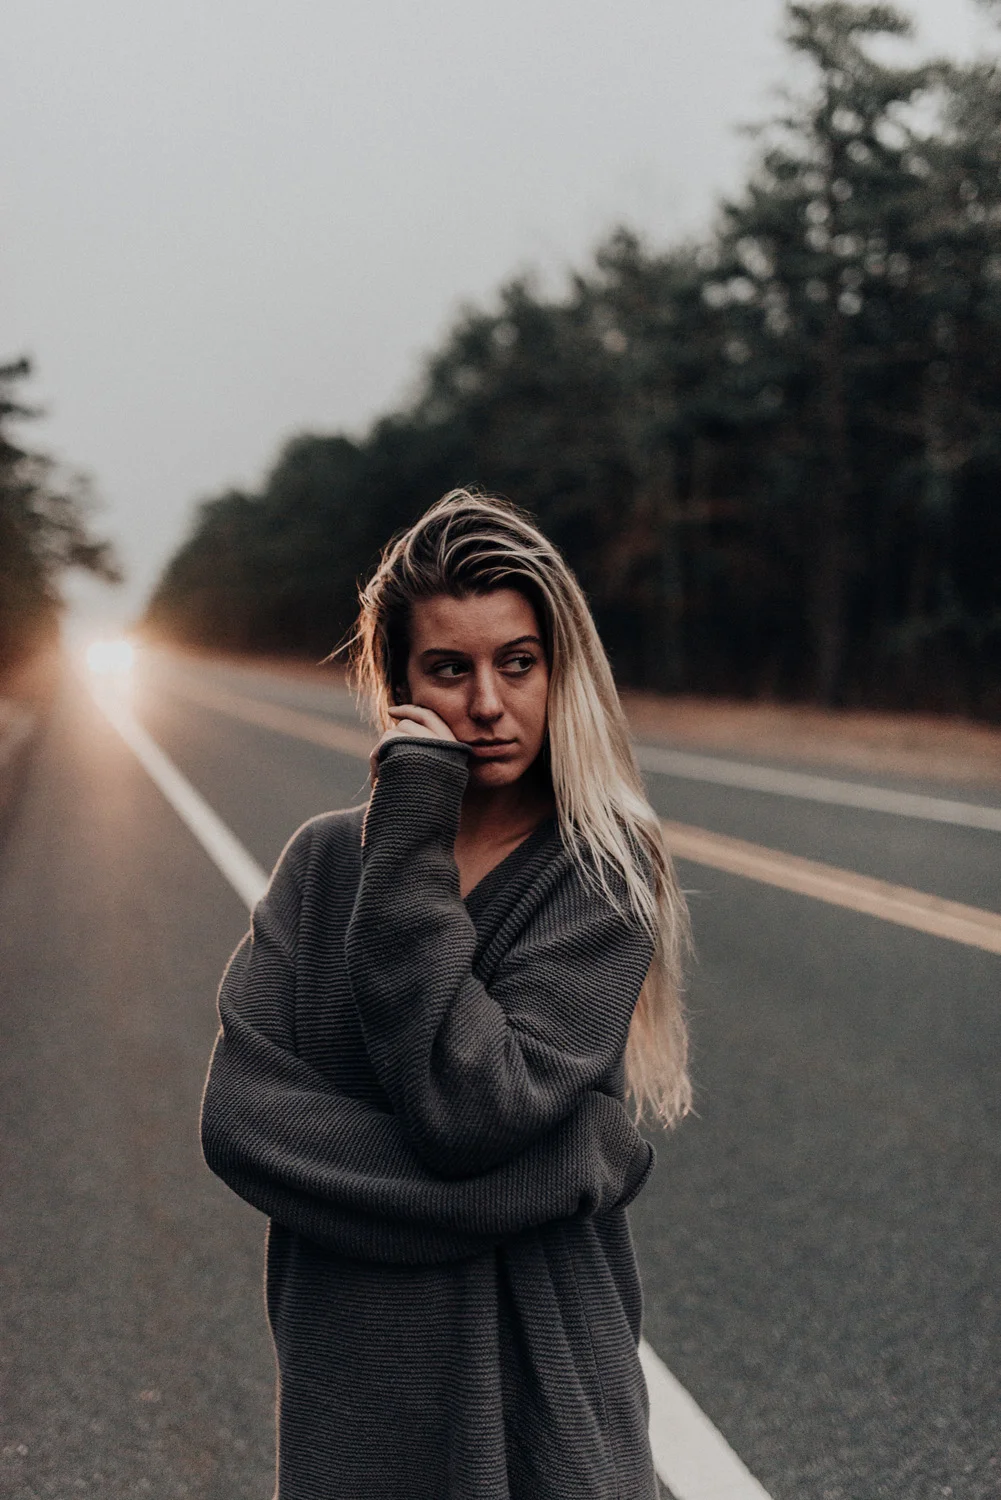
478	1075
343	1172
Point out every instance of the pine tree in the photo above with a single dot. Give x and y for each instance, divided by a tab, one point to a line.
813	274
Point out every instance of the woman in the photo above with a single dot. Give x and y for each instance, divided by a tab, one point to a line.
426	1039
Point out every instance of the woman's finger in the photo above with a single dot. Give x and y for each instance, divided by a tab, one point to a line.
416	713
410	726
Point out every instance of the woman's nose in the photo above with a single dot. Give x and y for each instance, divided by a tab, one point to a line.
485	702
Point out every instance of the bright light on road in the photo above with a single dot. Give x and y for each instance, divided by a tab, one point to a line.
107	658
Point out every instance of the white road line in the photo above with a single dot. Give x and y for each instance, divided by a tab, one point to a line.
689	1454
223	848
692	1458
816	788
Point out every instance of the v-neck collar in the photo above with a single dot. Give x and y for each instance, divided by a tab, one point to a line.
476	899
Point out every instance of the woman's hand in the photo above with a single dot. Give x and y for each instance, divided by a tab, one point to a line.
409	719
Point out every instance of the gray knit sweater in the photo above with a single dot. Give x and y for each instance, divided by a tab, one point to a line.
424	1094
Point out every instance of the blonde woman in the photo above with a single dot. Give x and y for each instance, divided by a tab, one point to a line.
427	1039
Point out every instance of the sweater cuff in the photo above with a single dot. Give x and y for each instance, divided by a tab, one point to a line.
418	791
640	1168
407	742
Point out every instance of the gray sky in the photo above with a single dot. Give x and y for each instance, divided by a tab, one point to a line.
226	222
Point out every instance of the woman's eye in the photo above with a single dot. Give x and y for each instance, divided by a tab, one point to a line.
515	665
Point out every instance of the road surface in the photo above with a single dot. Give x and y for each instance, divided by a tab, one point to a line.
819	1245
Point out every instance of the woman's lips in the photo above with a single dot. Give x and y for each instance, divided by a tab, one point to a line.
492	751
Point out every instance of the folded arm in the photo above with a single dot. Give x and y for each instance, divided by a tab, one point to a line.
345	1173
476	1074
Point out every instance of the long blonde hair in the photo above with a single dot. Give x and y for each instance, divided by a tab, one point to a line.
470	543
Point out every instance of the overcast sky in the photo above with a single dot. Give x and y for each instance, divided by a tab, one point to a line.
224	223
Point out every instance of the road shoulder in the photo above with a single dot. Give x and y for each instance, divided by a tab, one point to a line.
25	694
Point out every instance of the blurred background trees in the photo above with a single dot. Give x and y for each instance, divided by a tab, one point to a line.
44	529
773	457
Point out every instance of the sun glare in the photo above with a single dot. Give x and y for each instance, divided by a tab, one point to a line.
110	658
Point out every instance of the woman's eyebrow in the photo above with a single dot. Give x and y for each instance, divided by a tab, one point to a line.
521	640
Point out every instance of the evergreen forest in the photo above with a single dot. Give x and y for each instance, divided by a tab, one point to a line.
773	455
45	528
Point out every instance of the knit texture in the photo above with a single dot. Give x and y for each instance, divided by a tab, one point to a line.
425	1096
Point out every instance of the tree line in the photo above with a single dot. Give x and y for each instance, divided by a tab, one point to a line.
44	529
772	455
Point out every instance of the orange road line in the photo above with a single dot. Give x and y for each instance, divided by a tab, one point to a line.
789	872
807	877
291	721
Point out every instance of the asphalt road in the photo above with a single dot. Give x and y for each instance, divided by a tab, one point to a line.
819	1246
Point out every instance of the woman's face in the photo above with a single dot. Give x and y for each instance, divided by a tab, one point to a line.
480	664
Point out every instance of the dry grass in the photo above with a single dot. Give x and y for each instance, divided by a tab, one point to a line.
922	746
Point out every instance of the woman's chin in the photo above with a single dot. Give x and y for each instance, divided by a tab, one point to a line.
494	773
491	775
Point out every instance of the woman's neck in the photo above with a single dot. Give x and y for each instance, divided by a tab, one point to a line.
503	814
